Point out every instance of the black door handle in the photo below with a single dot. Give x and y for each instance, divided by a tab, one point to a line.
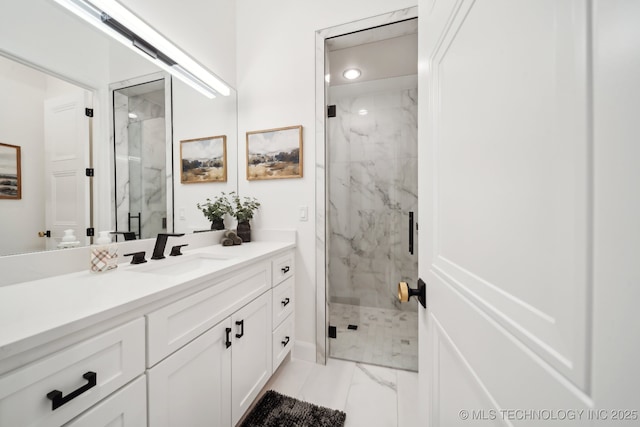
285	341
57	400
411	233
228	339
241	324
285	302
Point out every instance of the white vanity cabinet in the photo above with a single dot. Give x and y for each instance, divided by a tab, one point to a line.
60	386
283	306
210	353
251	353
196	356
125	408
192	386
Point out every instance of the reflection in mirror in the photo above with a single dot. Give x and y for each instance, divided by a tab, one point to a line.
142	135
75	51
45	116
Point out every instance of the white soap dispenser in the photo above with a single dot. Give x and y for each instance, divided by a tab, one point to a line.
104	254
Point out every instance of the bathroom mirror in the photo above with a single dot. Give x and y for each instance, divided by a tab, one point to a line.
46	39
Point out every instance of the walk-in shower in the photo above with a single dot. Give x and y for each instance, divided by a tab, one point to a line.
140	144
371	165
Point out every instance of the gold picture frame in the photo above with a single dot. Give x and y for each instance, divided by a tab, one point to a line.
203	160
10	172
274	153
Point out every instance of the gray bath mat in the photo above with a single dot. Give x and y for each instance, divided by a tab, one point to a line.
277	410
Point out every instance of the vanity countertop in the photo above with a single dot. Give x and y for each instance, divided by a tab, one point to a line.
34	313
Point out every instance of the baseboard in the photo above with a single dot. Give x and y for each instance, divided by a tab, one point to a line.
304	351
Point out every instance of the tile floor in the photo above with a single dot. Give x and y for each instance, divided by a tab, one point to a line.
371	396
384	337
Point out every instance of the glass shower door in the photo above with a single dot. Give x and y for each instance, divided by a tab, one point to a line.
372	186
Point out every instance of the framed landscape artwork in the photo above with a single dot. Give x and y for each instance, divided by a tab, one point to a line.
203	160
10	178
274	153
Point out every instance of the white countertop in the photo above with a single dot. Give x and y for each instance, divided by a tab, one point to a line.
34	313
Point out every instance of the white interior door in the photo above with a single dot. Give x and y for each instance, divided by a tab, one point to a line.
522	208
66	139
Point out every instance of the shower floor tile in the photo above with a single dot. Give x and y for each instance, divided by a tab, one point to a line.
384	337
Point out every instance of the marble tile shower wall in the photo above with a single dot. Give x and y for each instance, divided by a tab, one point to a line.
140	153
372	189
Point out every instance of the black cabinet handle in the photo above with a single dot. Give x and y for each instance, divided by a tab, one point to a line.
57	400
285	341
285	302
285	270
241	324
228	340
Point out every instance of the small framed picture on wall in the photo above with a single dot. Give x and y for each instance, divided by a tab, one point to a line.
274	153
203	160
10	174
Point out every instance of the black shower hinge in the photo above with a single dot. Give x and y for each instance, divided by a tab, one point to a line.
88	112
331	111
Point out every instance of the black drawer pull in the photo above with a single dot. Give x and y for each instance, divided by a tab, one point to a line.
285	302
228	340
285	270
241	324
285	341
57	400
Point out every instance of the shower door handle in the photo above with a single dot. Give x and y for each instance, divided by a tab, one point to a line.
411	233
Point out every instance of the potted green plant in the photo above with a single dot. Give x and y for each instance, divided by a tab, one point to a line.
215	210
243	210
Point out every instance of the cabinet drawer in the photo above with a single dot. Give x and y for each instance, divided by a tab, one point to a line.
173	326
125	408
283	301
283	338
116	357
283	267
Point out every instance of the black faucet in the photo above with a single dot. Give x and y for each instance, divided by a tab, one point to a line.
161	242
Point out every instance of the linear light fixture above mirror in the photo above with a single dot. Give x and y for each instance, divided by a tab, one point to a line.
119	23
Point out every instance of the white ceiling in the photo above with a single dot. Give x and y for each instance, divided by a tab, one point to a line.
379	53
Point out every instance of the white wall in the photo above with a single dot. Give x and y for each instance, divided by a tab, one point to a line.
203	28
195	116
276	87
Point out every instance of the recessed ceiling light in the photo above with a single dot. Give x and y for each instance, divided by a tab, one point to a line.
351	74
327	78
363	112
133	116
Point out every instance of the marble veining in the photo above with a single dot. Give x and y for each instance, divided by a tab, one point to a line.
140	164
372	188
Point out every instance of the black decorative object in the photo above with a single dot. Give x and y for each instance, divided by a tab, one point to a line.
244	231
277	410
217	224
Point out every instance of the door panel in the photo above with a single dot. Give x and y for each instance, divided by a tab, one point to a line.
67	155
506	205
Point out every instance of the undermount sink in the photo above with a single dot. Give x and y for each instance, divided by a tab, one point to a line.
176	266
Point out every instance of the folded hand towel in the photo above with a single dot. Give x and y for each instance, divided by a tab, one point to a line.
229	234
226	241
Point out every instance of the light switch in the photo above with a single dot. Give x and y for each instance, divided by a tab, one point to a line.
303	213
181	213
